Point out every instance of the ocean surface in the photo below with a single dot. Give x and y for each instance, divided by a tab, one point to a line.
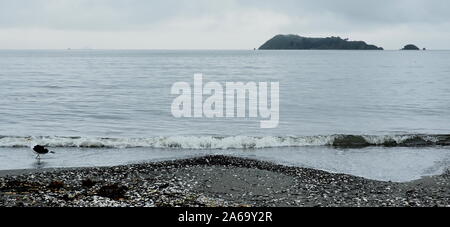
106	107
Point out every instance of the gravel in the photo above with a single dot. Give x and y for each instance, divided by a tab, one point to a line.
213	181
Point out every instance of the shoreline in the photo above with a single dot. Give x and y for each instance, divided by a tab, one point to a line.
212	181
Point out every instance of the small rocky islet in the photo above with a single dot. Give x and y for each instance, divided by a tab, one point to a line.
410	47
213	181
296	42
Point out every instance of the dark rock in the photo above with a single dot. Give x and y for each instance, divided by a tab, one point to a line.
416	141
88	183
443	140
113	191
67	198
390	143
166	185
295	42
349	141
56	185
20	186
411	47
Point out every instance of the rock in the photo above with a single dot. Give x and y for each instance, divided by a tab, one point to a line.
88	183
295	42
416	141
20	186
163	186
113	191
443	140
56	185
390	143
349	141
411	47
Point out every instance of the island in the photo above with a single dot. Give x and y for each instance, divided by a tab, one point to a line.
296	42
411	47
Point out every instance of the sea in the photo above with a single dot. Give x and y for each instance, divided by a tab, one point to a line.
113	107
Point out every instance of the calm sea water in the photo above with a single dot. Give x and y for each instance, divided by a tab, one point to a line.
113	107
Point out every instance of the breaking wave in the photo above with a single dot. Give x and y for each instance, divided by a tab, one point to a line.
231	142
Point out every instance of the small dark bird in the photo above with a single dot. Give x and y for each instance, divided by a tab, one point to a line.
40	150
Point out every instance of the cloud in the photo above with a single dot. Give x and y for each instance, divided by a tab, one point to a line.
228	30
224	24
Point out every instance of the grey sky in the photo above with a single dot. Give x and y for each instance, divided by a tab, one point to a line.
218	24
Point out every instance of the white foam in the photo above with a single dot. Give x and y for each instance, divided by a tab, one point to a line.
197	142
378	140
177	142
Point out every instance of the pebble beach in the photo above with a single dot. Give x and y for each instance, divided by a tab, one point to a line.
213	181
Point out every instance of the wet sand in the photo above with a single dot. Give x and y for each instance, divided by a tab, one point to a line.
214	181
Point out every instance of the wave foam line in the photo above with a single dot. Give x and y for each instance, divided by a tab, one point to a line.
232	142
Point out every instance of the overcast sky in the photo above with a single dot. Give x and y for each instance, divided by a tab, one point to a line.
218	24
